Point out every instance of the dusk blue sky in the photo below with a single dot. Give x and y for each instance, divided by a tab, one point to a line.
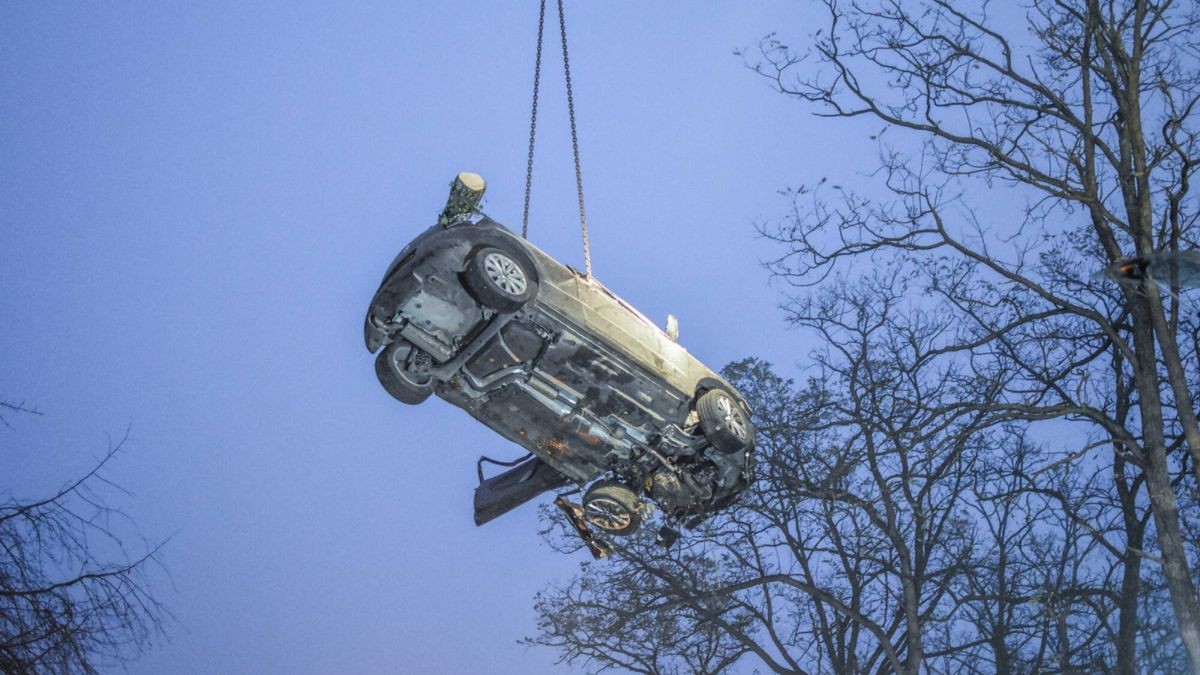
197	201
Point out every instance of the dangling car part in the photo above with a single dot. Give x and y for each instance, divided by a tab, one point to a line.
563	367
575	516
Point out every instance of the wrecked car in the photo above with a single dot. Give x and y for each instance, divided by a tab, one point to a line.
601	397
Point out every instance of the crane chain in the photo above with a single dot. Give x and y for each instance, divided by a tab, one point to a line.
537	72
537	78
587	249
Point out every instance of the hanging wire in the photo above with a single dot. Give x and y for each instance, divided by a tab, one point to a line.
587	249
537	78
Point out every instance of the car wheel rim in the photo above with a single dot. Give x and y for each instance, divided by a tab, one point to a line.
607	514
505	273
400	358
733	418
415	381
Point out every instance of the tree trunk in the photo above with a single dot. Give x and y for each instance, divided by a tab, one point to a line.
466	191
1131	579
1158	483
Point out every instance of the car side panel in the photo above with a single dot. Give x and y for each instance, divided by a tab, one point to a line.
590	305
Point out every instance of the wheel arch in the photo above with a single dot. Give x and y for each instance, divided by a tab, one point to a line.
508	244
707	384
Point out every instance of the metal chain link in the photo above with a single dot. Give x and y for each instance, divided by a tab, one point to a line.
587	250
537	78
537	75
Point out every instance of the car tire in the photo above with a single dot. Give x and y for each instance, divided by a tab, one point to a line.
500	279
395	378
724	422
612	507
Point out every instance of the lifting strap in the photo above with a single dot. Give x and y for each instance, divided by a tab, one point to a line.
537	75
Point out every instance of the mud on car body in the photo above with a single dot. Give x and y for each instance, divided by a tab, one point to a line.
558	364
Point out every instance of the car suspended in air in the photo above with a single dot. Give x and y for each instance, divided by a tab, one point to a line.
552	360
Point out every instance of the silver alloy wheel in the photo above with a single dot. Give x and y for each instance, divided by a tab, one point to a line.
505	273
401	359
607	514
733	417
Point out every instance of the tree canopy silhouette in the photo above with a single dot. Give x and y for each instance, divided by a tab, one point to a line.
74	597
994	466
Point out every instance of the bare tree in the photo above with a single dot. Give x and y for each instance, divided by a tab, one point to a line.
995	467
1088	110
898	525
72	597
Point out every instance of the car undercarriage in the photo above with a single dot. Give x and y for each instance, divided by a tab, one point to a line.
555	362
